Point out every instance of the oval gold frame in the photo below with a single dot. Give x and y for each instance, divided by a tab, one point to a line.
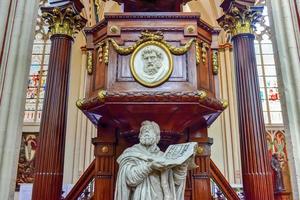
166	76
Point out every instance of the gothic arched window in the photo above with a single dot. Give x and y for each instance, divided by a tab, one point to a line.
267	70
38	71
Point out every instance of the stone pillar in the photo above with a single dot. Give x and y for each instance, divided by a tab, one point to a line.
17	24
80	130
105	163
226	149
239	21
287	56
64	22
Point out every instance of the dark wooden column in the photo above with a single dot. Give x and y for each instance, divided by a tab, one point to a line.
105	163
63	23
257	180
201	175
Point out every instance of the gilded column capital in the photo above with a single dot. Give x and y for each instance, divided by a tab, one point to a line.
63	21
240	19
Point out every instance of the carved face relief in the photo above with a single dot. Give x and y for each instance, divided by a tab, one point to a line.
148	137
151	63
152	60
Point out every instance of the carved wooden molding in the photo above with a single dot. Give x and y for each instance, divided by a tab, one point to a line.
200	96
151	36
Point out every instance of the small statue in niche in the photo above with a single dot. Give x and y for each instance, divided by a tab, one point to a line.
275	164
147	173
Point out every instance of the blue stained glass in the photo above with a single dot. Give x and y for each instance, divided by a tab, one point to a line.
262	94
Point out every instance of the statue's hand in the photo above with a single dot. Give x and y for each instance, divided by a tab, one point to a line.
157	165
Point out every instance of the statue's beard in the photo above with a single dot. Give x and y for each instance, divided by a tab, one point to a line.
152	69
147	141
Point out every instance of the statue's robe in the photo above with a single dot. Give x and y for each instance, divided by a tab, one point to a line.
137	181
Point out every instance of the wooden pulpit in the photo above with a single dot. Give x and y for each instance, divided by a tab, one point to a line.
154	66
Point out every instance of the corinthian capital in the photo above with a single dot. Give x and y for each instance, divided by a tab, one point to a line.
63	20
239	18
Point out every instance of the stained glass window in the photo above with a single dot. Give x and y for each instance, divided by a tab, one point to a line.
267	70
38	71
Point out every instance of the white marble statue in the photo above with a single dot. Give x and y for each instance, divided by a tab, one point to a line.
146	174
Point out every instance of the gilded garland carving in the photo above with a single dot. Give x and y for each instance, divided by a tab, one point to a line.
63	21
100	52
89	62
106	55
197	53
240	19
149	36
204	47
215	62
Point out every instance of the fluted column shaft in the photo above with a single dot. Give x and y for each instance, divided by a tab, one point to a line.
239	20
50	155
64	21
257	179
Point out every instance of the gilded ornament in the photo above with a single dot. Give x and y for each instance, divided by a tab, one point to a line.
240	19
100	53
90	62
114	29
149	36
202	94
106	50
104	149
79	103
197	52
215	62
224	103
204	47
200	150
63	21
101	95
191	29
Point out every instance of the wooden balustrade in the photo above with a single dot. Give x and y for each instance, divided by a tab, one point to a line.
82	183
221	181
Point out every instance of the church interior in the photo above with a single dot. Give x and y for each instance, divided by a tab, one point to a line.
79	77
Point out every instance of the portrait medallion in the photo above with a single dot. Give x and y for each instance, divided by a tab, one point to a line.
151	63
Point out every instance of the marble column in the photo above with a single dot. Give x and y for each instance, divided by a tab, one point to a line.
80	130
64	21
287	56
17	24
224	130
239	20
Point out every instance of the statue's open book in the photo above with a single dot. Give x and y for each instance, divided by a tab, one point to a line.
177	154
